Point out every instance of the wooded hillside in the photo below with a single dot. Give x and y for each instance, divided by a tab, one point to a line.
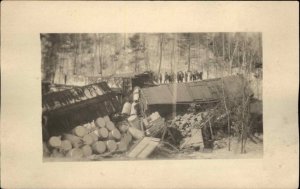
105	54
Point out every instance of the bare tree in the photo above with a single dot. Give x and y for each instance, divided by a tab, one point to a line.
161	40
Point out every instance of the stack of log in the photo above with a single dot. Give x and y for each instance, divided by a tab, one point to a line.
98	137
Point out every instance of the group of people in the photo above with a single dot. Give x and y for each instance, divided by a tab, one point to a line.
179	77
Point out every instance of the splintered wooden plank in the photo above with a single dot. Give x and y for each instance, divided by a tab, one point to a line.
138	148
144	148
148	149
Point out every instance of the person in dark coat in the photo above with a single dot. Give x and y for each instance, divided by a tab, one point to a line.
180	76
200	75
166	77
185	76
160	78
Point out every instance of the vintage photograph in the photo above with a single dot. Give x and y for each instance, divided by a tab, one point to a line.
136	96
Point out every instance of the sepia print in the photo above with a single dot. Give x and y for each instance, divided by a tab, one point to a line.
133	96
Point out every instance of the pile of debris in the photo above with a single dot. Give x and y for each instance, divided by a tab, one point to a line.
187	122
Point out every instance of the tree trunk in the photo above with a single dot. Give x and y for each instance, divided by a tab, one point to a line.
232	56
213	42
189	57
199	53
161	52
136	62
227	113
244	57
125	54
100	53
223	46
146	53
76	54
53	58
229	45
206	59
172	55
244	130
80	53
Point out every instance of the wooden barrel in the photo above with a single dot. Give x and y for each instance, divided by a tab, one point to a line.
75	153
94	136
99	147
87	150
110	126
103	133
55	141
88	139
66	145
75	140
126	108
100	122
111	145
106	118
136	134
115	135
80	131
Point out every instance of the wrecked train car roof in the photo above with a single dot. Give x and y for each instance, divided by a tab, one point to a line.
199	91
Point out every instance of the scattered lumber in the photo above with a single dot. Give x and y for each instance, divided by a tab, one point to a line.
144	147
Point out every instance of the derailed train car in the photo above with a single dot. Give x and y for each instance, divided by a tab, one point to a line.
205	93
64	110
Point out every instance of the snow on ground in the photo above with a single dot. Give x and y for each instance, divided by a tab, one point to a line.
253	151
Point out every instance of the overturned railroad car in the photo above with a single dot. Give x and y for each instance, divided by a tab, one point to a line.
170	97
63	110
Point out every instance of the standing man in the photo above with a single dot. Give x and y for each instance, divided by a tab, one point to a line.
166	77
200	75
185	76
